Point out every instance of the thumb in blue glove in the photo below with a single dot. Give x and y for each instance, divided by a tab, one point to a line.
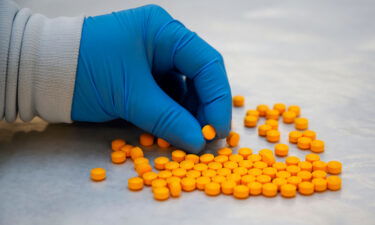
147	68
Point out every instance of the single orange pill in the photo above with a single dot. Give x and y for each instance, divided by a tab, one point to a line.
178	155
260	165
288	190
263	129
283	174
225	151
215	165
273	123
250	121
236	158
127	149
296	109
202	181
175	189
334	183
161	193
179	172
305	175
334	167
227	187
269	190
238	101
262	109
255	188
304	143
233	139
309	134
206	158
118	157
272	114
306	188
294	180
281	150
208	132
280	107
293	169
289	117
294	136
135	183
171	165
163	143
240	171
230	165
117	144
279	182
270	171
245	152
273	136
265	151
252	112
221	159
218	179
187	164
246	179
312	157
98	174
160	162
148	177
224	171
140	160
193	173
136	152
188	184
212	189
301	123
254	157
255	171
200	167
157	183
170	180
246	164
241	191
279	166
319	165
235	177
146	139
143	168
305	166
319	174
317	146
292	160
165	174
209	173
320	184
192	157
263	179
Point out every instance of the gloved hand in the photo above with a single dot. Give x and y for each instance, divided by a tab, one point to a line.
143	66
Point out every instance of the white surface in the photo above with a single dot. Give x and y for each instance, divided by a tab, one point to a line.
317	54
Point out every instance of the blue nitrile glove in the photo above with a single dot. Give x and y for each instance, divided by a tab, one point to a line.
147	68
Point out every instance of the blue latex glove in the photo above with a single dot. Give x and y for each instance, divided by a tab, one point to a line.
143	66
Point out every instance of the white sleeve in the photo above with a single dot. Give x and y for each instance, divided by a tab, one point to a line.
38	61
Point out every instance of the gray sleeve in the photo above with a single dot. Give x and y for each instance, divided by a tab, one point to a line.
38	61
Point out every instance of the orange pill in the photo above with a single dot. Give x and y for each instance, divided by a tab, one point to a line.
265	151
227	187
179	172
263	129
283	174
270	171
240	171
246	164
202	181
188	184
171	165
305	166
225	151
260	165
320	184
127	149
296	109
312	157
334	167
319	165
255	188
301	123
233	139
279	166
143	168
334	183
250	121
292	160
140	160
309	134
281	150
212	189
254	157
118	157
319	174
273	136
262	109
236	158
136	152
135	183
161	193
294	136
192	157
245	152
263	179
160	162
208	173
241	191
273	123
208	132
246	179
146	139
98	174
305	175
306	188
294	180
163	143
221	159
165	174
157	183
272	114
280	107
218	179
279	182
304	143
289	117
215	165
206	158
117	144
255	171
288	190
224	171
269	190
200	167
234	177
148	177
252	112
170	180
175	189
187	164
193	173
178	155
293	169
317	146
238	101
230	165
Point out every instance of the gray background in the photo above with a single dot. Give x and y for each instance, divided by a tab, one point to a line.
317	54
